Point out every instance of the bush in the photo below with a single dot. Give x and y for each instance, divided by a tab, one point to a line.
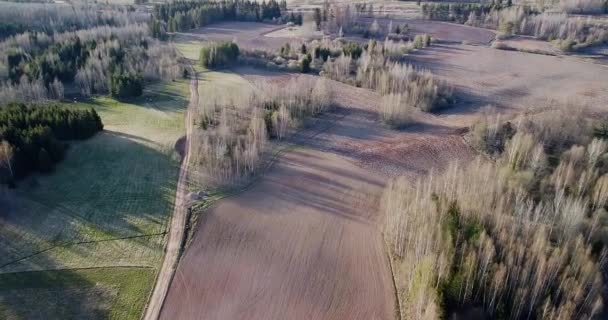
219	54
126	85
305	64
565	45
396	110
322	53
353	50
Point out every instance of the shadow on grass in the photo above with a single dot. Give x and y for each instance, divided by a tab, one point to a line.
97	293
162	96
108	187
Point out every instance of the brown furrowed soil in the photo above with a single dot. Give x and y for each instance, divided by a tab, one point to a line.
443	31
305	241
300	244
249	35
513	81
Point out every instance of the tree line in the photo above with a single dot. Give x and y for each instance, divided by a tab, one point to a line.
101	60
219	54
186	15
521	237
566	32
62	61
32	137
16	18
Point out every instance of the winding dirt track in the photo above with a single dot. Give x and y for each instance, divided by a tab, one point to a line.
305	242
178	218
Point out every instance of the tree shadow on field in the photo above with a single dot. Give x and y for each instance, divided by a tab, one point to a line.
108	187
60	294
155	98
323	188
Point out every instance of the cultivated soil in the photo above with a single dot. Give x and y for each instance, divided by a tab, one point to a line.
305	241
442	31
513	81
249	35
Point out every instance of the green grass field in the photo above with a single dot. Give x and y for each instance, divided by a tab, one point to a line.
107	204
190	49
100	293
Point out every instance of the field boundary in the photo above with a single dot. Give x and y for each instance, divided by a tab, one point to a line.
177	226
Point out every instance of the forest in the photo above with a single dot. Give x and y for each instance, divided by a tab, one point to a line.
17	18
34	137
186	15
523	236
85	50
96	61
566	33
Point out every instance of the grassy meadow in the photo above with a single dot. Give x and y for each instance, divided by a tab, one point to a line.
99	293
106	205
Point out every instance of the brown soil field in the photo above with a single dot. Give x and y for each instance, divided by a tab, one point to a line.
513	81
305	240
249	35
443	31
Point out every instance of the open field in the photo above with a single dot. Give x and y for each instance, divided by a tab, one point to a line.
267	253
305	239
443	31
98	293
107	204
309	232
514	81
249	35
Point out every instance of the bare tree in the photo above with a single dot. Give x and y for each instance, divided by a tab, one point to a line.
6	156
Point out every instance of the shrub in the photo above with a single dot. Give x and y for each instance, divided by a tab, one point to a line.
305	64
353	50
565	45
322	53
421	41
396	110
491	133
219	54
126	85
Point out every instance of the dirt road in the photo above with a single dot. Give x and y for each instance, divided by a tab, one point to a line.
178	218
305	241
